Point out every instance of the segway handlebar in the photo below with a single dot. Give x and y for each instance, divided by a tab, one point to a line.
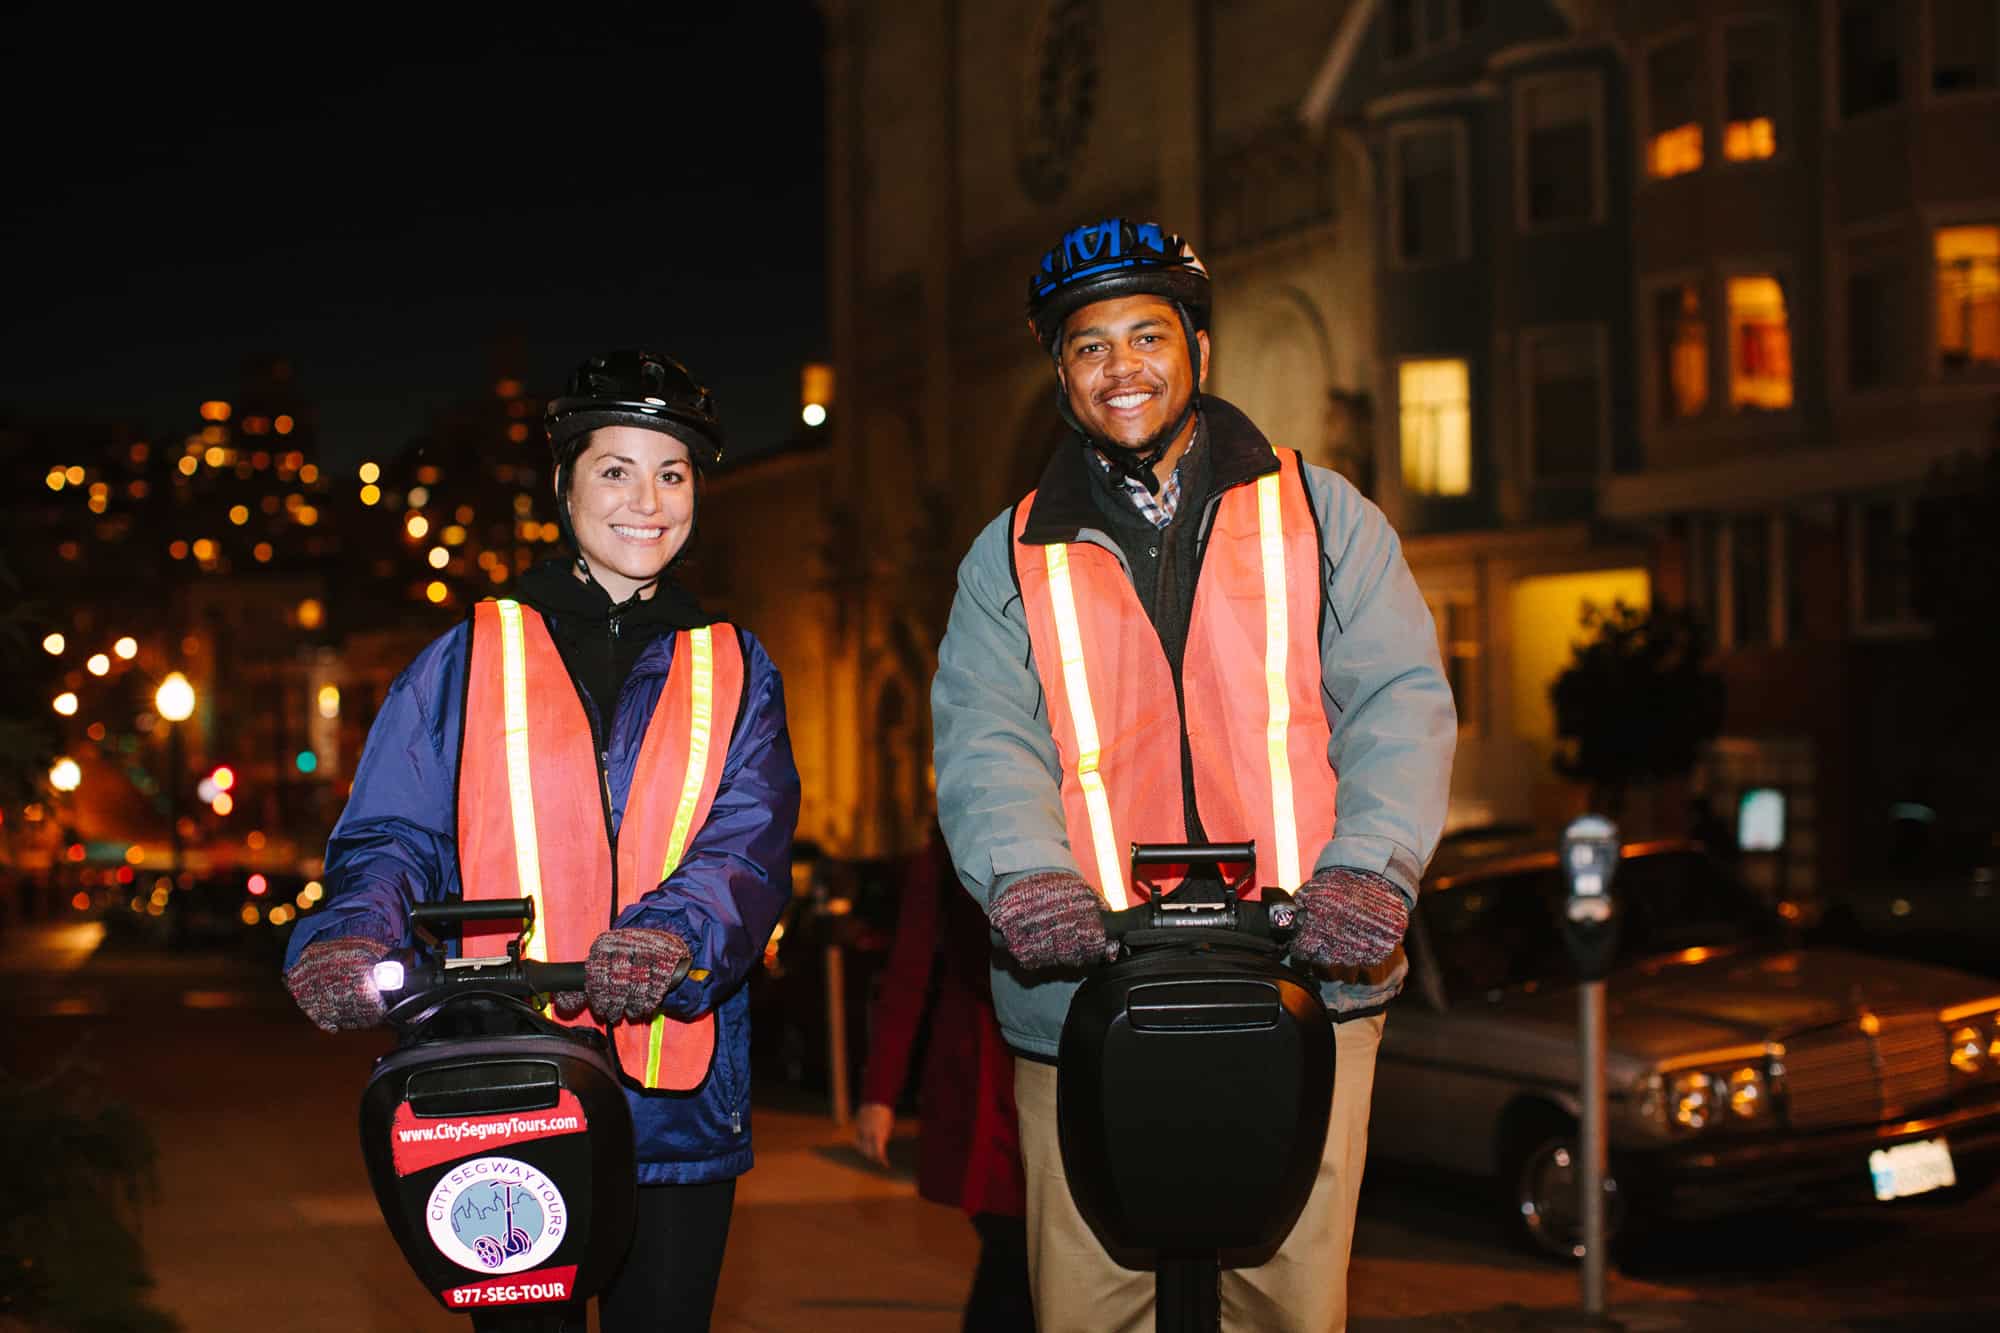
1268	918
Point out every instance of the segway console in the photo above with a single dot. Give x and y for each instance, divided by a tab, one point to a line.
498	1142
1193	1083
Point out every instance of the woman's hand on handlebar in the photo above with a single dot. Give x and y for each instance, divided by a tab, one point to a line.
334	983
629	972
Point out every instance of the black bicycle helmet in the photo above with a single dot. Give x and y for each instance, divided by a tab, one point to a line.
632	387
1114	257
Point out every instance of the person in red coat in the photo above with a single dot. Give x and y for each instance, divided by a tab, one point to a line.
969	1148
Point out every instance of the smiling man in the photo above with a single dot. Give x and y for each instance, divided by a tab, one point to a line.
1183	635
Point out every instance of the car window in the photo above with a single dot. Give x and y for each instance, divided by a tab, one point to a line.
1497	933
1683	900
1502	932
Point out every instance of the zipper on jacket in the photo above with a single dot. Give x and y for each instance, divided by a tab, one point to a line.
603	752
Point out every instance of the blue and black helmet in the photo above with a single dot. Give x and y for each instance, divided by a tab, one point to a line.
1111	258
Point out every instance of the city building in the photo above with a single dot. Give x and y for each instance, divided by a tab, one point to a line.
1601	302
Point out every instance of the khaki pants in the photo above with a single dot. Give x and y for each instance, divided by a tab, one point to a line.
1302	1289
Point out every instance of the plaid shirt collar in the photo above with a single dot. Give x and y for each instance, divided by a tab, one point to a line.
1157	509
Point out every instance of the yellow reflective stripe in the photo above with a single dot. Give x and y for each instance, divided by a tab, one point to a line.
520	786
1076	684
701	642
1277	625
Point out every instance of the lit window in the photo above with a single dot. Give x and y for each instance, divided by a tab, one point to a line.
1750	92
1965	45
1760	343
1559	165
1673	109
1680	332
1968	297
1427	197
1565	405
1870	72
1437	427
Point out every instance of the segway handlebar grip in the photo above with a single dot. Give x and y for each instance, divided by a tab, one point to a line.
1192	853
547	978
458	911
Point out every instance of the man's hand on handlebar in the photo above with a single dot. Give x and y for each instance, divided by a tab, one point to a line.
334	982
1348	917
1049	920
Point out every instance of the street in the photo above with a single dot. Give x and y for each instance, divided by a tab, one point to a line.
264	1220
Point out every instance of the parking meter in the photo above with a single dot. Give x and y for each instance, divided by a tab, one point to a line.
1590	923
1590	928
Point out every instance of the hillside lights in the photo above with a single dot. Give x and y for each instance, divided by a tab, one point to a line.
65	775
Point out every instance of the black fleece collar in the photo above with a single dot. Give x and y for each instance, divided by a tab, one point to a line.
1238	454
553	588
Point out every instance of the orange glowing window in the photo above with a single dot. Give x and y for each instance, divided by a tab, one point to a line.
1760	344
1676	109
1751	58
1674	152
1968	296
1749	140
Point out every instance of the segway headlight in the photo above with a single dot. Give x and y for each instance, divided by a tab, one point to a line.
388	975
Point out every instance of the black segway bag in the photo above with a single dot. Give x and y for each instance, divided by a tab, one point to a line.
1194	1082
500	1148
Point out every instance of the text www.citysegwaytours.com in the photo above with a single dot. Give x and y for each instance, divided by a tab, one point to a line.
460	1131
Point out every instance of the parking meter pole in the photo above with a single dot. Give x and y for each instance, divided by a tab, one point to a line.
1590	1016
836	1033
1590	930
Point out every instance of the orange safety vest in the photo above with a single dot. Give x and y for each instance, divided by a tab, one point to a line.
1256	731
533	803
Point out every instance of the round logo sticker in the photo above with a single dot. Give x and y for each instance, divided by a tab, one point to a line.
496	1215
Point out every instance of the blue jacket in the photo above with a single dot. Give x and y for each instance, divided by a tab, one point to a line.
395	844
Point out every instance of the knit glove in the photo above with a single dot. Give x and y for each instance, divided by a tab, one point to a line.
1348	918
627	975
334	982
1050	920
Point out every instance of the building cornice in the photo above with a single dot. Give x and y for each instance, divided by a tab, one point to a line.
1759	481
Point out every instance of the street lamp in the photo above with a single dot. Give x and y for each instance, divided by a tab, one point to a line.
65	775
175	702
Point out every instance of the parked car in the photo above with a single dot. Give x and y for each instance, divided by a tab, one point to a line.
1743	1071
1929	890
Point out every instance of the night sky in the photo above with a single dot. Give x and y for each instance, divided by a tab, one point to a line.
392	201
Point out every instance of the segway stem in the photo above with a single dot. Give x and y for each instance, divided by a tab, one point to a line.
1186	1294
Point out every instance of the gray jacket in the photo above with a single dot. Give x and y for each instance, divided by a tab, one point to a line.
1388	707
